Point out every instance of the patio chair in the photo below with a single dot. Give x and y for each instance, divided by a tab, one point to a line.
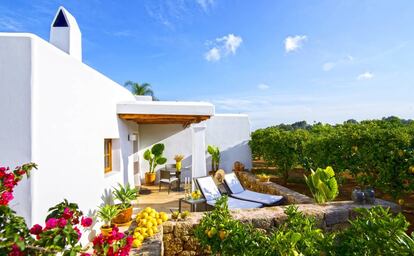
171	168
236	190
211	193
167	177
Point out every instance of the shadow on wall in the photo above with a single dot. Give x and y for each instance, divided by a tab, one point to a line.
240	152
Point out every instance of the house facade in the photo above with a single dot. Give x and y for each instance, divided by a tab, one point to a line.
86	132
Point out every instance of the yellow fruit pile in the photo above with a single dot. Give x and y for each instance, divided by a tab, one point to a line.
148	221
196	194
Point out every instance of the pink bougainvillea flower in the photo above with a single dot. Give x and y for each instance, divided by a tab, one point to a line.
15	251
78	231
98	240
119	236
67	213
36	229
7	196
51	223
86	222
85	254
62	222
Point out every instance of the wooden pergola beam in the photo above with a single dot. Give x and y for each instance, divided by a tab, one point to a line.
185	120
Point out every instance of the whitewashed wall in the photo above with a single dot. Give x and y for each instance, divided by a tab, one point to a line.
15	112
230	133
72	109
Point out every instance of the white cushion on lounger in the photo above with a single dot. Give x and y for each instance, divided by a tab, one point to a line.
238	204
208	188
258	197
233	183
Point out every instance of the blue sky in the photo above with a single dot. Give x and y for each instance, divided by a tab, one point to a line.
278	61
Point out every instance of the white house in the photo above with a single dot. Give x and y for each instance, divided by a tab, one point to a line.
69	119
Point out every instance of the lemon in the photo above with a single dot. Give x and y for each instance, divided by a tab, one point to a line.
155	230
159	221
164	216
150	232
149	225
136	243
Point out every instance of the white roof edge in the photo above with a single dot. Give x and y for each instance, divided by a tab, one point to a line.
166	108
19	34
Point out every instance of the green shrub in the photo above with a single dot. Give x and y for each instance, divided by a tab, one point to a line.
222	234
299	236
375	232
378	153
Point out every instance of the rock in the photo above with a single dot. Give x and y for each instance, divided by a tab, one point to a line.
168	227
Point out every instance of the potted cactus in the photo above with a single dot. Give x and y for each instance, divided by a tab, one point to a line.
154	157
106	213
125	195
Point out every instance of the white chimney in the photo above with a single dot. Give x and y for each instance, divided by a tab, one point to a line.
65	33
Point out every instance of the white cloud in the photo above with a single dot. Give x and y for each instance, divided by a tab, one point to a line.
293	43
213	54
223	46
205	4
231	43
328	66
365	76
263	86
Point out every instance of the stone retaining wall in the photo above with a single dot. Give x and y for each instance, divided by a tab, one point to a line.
179	238
249	181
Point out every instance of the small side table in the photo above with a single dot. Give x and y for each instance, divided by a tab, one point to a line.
193	203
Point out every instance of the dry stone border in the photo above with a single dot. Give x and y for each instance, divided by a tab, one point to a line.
250	181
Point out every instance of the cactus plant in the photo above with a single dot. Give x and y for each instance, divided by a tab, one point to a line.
322	184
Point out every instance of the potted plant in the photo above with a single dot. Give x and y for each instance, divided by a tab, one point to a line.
106	213
124	194
154	157
215	158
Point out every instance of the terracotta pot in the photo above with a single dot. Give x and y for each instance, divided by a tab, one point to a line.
124	217
150	178
106	230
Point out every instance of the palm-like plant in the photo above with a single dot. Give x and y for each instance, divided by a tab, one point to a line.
107	212
139	89
125	195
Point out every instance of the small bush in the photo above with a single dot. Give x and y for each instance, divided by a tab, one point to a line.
375	232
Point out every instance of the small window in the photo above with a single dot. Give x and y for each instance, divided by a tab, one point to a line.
60	20
108	155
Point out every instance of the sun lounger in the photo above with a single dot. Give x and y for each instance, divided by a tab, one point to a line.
237	191
211	193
